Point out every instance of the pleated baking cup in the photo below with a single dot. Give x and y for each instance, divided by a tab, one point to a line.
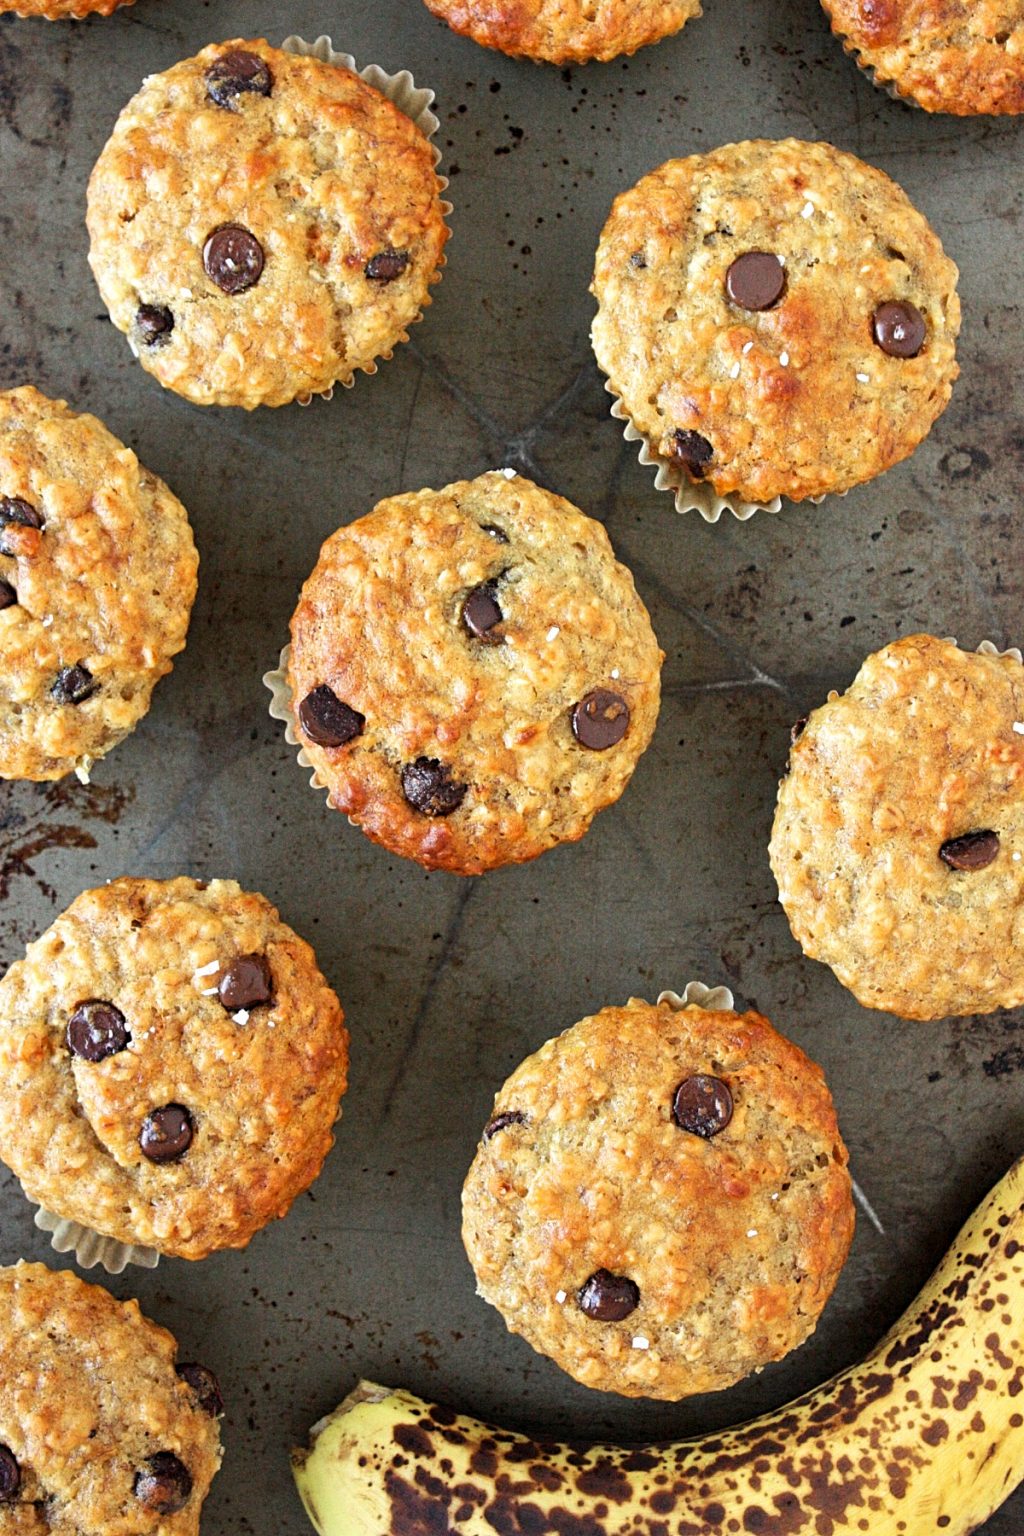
696	995
81	15
281	709
416	102
91	1248
868	70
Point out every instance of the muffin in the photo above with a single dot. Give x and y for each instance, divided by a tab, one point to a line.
899	831
263	225
97	580
566	31
171	1064
963	56
62	10
472	673
660	1201
101	1434
776	319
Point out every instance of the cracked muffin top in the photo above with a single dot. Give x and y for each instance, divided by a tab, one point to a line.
171	1062
472	673
263	225
566	31
776	318
898	843
959	56
660	1201
101	1432
97	580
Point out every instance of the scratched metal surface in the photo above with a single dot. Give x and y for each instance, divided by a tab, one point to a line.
447	984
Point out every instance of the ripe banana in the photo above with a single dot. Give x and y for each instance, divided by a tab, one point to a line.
926	1435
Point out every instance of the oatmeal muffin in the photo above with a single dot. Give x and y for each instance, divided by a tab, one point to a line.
171	1064
101	1433
959	56
660	1201
472	673
566	31
263	225
776	318
62	10
97	580
899	831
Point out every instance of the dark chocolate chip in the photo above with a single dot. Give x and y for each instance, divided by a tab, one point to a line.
10	1475
235	73
205	1386
233	258
327	721
8	596
899	328
608	1298
495	532
974	850
429	787
600	719
755	280
166	1133
14	509
73	685
691	452
386	266
796	730
702	1105
164	1484
246	983
154	324
499	1123
481	612
96	1030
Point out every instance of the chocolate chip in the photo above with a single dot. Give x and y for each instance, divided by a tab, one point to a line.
600	719
327	721
154	324
205	1386
73	685
429	787
691	452
8	596
702	1105
14	509
899	328
10	1475
166	1133
796	730
495	532
235	73
755	280
481	612
233	258
608	1298
638	261
164	1485
96	1030
386	266
974	850
500	1122
246	983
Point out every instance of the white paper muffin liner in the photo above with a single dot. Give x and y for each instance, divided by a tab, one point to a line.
90	1248
696	995
281	709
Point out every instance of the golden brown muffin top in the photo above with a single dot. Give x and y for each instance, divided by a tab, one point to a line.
566	31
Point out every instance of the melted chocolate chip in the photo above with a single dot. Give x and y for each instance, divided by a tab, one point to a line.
236	73
166	1133
481	612
8	596
500	1122
608	1298
691	452
702	1105
97	1030
899	328
430	789
154	324
10	1475
73	685
495	532
974	850
327	721
233	259
386	266
600	719
164	1484
205	1386
246	983
796	730
14	509
755	280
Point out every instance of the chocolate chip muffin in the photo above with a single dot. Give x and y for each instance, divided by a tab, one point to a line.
62	10
776	318
566	31
660	1201
97	580
472	673
960	56
898	842
101	1433
171	1063
263	225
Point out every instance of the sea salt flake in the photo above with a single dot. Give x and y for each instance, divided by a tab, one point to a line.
752	1232
208	992
748	346
560	1297
509	474
47	621
639	1342
615	673
1018	726
807	211
208	970
863	378
241	1017
775	1196
82	774
1016	857
554	632
784	359
734	371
